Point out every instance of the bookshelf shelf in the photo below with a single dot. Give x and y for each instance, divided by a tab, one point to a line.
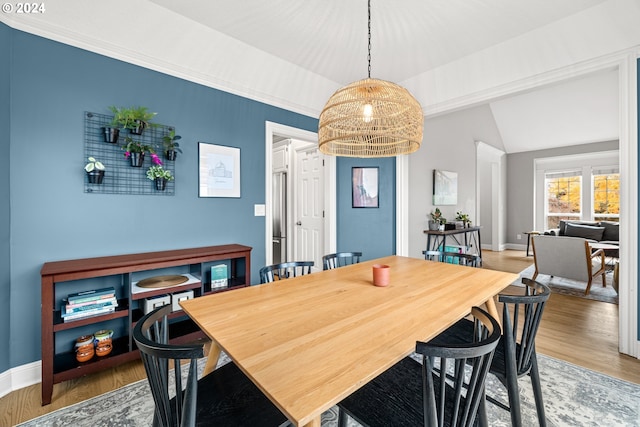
61	325
123	272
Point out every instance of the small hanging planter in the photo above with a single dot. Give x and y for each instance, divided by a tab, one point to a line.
111	134
171	146
159	176
95	171
161	184
171	154
137	159
95	176
139	127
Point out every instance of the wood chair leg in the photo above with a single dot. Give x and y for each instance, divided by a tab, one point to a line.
586	292
537	391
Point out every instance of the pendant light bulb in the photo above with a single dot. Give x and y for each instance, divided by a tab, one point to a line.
367	113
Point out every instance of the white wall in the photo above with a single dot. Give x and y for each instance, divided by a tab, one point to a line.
449	144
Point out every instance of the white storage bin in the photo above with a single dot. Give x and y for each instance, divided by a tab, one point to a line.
180	296
152	303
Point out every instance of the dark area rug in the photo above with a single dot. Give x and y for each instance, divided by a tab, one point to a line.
576	288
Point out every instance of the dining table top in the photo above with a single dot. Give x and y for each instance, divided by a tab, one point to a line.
308	342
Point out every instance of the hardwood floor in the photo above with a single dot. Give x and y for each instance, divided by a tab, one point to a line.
579	331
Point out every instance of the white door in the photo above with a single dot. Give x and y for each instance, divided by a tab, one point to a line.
308	218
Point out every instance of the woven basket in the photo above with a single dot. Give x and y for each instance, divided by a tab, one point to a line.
394	128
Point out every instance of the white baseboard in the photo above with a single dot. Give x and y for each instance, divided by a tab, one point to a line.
20	377
516	247
501	247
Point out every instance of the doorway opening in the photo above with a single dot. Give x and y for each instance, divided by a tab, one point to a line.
292	161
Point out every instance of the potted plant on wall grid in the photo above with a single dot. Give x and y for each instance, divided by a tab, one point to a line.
160	176
135	151
95	171
171	147
136	119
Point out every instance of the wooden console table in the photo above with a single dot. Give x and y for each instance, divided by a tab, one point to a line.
439	241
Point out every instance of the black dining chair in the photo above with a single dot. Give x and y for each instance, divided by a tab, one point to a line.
340	259
411	393
285	270
516	353
471	260
224	397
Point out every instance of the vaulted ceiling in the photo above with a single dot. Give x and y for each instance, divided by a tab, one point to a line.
449	54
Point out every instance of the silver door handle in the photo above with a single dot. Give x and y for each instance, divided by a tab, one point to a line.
299	223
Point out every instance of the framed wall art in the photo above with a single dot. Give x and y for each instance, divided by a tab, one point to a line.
219	170
364	187
445	187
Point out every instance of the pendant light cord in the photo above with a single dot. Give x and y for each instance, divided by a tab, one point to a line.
369	45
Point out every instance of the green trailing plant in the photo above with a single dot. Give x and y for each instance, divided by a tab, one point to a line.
93	165
131	118
169	142
437	216
159	172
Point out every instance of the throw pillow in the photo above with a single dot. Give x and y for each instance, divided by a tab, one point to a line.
584	231
611	231
563	225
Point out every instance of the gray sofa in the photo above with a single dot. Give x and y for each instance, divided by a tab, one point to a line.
600	231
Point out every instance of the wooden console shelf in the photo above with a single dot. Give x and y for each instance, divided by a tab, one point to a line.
122	272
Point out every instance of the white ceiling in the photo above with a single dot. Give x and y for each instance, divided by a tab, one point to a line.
409	37
448	53
576	112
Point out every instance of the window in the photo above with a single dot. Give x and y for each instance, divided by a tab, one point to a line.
563	197
606	194
583	187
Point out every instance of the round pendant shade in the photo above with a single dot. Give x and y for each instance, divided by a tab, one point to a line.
370	118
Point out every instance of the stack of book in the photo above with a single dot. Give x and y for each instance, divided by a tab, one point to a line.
89	303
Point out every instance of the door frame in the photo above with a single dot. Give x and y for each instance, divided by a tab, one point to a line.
330	226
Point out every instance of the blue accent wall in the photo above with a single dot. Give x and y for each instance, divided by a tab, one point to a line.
369	230
5	207
51	218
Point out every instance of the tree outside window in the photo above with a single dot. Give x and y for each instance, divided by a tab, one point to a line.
606	197
563	198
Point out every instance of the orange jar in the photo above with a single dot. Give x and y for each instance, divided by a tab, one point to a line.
84	353
103	347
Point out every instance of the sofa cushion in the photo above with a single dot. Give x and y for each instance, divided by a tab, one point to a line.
562	226
584	231
611	231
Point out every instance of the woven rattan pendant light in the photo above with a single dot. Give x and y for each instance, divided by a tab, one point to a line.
370	118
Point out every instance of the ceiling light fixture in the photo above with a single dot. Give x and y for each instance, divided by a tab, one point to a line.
370	118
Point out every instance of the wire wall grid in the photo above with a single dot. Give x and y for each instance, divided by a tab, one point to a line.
120	177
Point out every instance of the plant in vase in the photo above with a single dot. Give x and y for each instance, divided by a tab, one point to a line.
171	147
135	150
437	219
95	171
466	220
160	176
136	119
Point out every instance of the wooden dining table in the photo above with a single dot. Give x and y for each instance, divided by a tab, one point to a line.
308	342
